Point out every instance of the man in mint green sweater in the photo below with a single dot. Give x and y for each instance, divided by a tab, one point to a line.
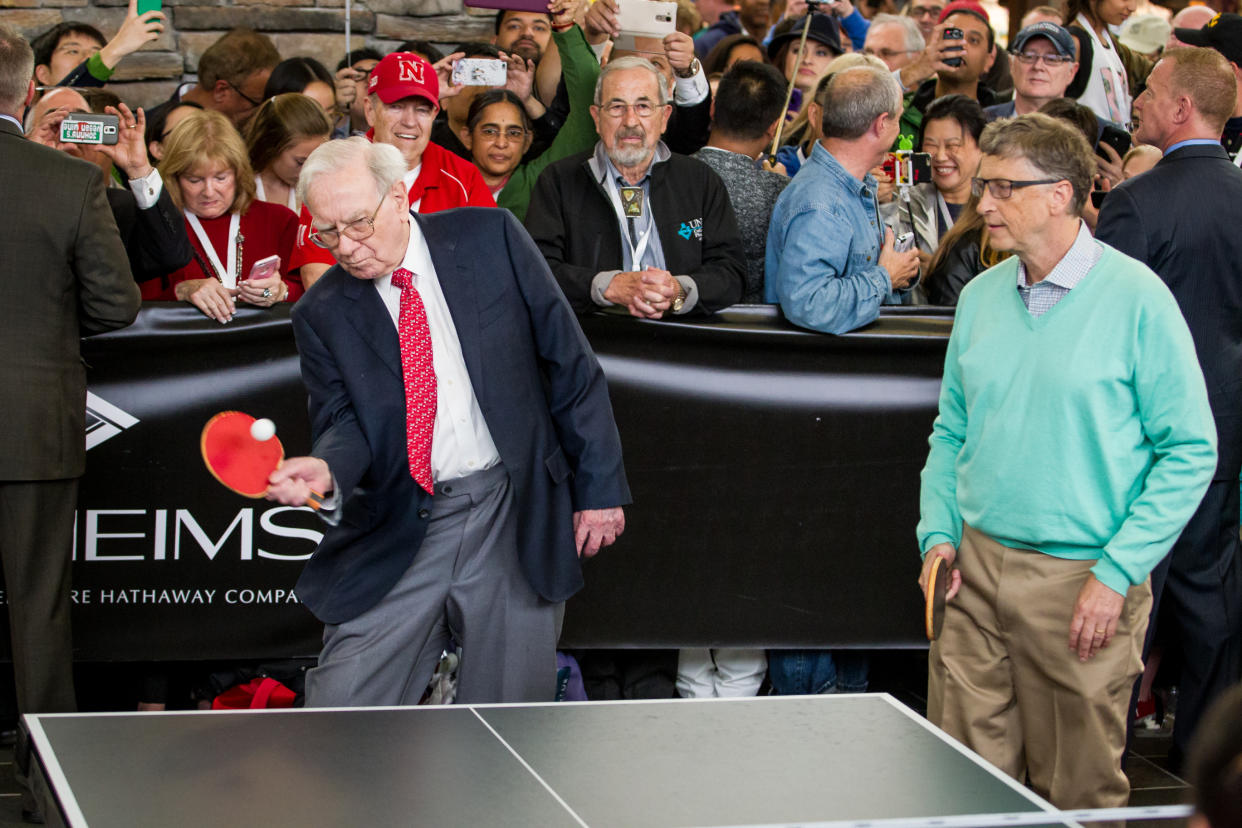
1073	443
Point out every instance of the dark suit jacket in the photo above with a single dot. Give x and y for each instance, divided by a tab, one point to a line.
1180	219
63	272
539	386
572	219
154	238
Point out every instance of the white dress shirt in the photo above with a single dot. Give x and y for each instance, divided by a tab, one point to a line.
461	443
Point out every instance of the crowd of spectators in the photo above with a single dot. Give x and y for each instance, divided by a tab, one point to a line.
728	163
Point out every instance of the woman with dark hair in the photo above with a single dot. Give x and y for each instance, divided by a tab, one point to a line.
305	75
731	50
162	122
964	253
823	43
950	134
284	131
498	130
1109	73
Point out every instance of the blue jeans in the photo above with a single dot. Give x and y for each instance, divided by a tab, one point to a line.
806	672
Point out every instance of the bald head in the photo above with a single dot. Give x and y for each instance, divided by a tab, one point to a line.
1191	17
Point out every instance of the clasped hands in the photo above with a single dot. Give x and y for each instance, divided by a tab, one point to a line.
647	293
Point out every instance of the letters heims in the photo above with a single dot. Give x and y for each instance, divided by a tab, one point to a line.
109	535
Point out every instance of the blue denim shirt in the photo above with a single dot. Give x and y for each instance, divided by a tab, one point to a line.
823	258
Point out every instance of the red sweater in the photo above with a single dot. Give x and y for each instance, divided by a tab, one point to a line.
267	228
446	180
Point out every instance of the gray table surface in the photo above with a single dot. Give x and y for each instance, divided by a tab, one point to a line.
783	760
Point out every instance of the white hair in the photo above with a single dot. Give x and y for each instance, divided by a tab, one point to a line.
914	35
383	161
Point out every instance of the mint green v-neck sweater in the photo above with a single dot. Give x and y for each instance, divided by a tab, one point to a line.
1083	434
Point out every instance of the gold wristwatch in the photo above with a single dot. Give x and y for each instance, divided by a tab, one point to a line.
679	300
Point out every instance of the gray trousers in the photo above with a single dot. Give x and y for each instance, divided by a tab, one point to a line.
465	581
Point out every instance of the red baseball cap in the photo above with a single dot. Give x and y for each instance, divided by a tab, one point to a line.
968	6
403	75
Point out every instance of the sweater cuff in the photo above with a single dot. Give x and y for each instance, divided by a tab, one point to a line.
95	65
1111	576
937	538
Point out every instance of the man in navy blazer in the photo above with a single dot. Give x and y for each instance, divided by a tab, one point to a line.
1180	219
526	456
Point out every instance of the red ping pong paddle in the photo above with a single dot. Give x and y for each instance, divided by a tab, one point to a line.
237	459
937	586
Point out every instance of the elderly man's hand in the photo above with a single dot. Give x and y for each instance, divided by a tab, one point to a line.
130	151
946	551
297	479
679	49
596	528
646	293
1096	613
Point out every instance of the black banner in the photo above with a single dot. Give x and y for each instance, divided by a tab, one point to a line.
775	476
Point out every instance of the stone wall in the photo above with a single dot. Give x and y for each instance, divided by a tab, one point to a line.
314	28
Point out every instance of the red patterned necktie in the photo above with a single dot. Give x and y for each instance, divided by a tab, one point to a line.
420	378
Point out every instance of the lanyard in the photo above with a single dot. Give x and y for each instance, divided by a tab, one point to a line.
261	195
944	211
636	250
228	277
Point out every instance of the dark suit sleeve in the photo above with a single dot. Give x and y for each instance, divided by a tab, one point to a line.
159	244
721	278
576	389
108	298
689	127
548	225
1121	225
338	440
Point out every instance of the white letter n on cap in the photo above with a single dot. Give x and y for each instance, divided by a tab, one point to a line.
411	70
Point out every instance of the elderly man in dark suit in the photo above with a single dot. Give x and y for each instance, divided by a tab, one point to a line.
64	273
1180	219
463	433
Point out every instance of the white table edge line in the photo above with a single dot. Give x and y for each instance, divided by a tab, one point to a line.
61	789
530	770
1028	794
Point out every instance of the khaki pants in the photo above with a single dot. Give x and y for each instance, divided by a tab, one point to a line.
1003	681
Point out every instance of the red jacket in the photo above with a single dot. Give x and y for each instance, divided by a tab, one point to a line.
446	180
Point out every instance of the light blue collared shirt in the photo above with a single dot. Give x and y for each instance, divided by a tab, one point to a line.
824	241
1193	142
16	122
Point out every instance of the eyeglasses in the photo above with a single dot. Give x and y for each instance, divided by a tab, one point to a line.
617	109
513	133
1031	58
358	230
1002	188
237	89
926	11
888	54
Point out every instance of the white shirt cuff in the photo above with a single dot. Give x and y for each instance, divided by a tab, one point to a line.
692	90
147	190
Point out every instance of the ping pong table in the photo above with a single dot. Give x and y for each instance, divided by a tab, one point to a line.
734	762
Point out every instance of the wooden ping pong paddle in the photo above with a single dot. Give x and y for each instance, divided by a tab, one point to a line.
238	460
937	586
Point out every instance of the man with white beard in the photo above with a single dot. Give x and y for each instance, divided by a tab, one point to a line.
631	223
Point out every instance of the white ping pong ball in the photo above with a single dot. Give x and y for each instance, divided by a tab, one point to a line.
263	430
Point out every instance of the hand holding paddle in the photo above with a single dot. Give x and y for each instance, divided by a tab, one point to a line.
299	481
939	582
243	453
